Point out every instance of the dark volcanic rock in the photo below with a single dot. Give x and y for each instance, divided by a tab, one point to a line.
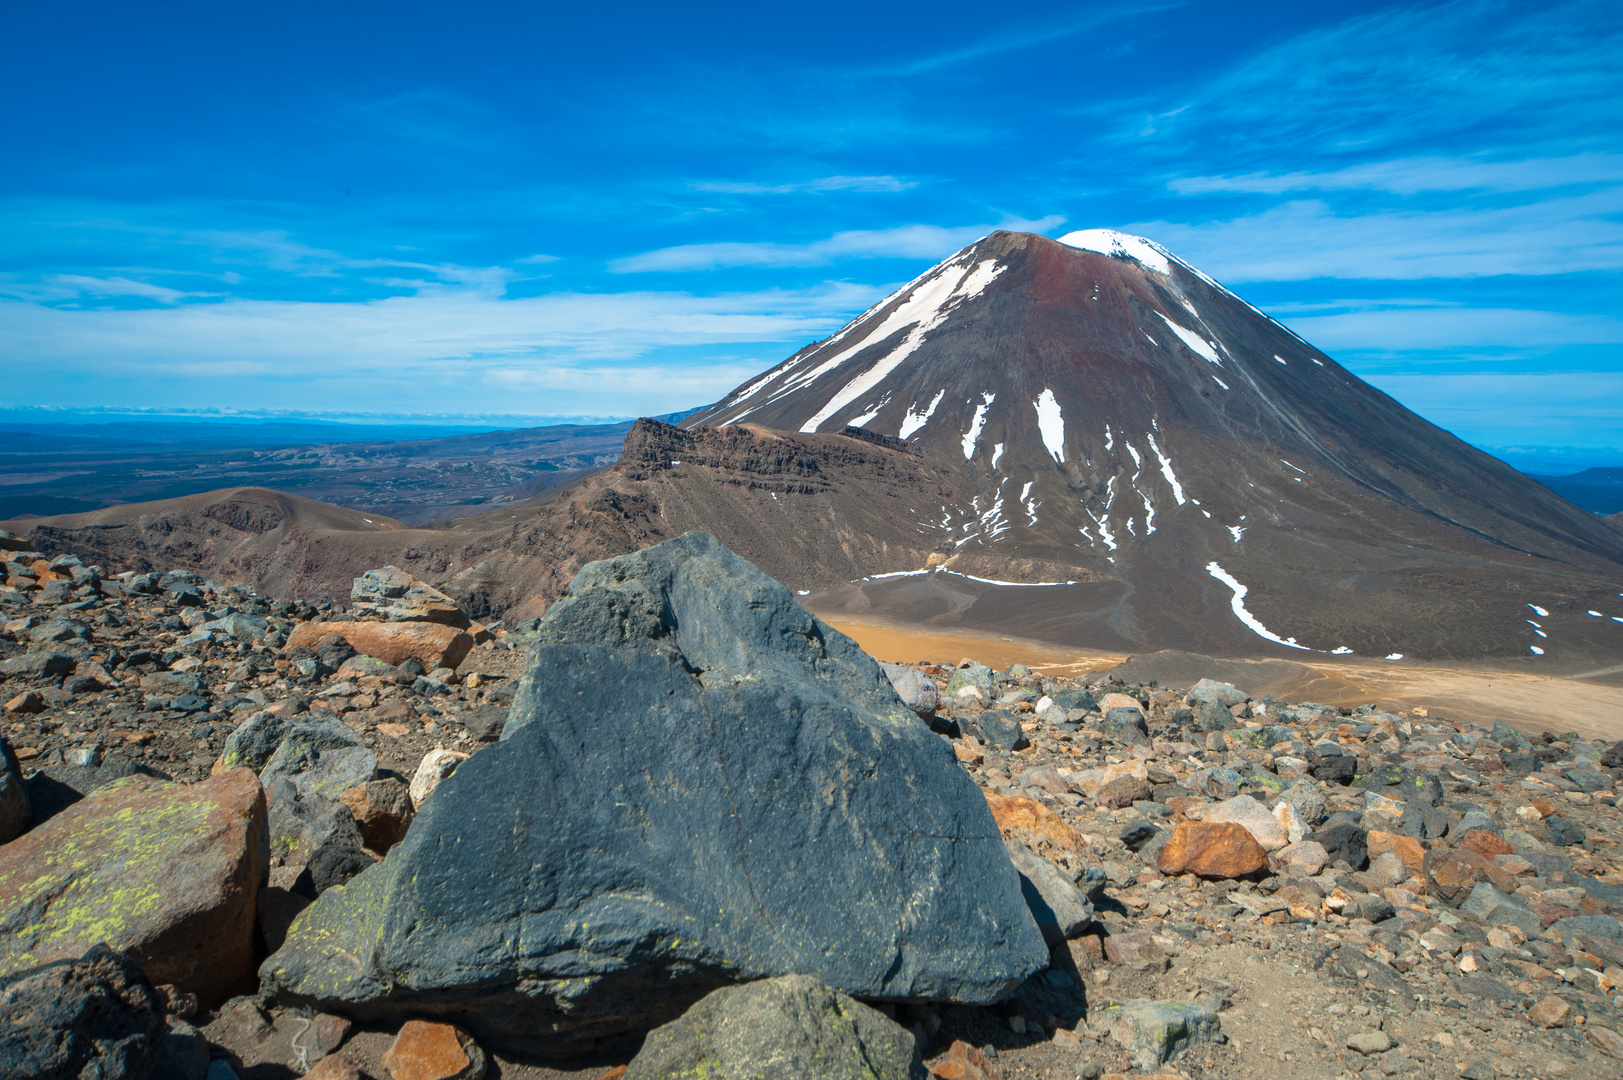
699	783
94	1017
780	1029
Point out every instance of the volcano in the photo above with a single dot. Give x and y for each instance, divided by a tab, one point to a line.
1133	456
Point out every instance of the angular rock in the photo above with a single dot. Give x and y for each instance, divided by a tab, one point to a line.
916	690
1222	693
1253	816
1485	844
1126	725
1370	1042
433	770
321	758
1291	821
1408	850
1308	800
14	810
167	873
434	645
1136	949
1060	909
1089	782
96	1016
424	1050
1001	730
1305	857
1034	825
1452	875
789	1028
1344	841
382	810
1549	1012
392	595
1213	850
1157	1031
700	783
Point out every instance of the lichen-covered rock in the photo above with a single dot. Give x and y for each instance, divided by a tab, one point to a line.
700	784
95	1016
165	872
1156	1031
789	1028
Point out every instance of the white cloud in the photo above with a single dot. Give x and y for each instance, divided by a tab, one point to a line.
821	184
458	349
902	242
1410	176
1454	327
1307	239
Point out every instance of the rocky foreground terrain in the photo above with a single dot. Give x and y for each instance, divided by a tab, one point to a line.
680	828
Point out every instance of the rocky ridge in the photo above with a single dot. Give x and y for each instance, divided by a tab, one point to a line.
1226	887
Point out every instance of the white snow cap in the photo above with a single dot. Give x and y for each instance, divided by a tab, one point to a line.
1147	253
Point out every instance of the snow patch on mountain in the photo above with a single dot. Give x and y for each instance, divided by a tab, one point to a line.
976	423
1166	470
1119	245
924	310
1197	344
915	420
1051	424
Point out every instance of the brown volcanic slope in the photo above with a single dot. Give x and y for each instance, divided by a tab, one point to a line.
813	510
1028	411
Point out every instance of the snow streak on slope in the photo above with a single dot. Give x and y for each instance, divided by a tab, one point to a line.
915	420
1051	425
1197	344
1166	470
926	309
1238	604
975	425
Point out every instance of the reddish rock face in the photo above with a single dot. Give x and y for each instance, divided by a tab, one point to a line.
382	809
1034	825
1451	874
433	644
1407	848
167	873
430	1051
1486	844
1218	849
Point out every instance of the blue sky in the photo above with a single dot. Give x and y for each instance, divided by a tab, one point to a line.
365	209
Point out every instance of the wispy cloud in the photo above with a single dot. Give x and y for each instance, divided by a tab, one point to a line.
445	349
1309	239
1409	176
821	184
902	242
1453	327
1015	40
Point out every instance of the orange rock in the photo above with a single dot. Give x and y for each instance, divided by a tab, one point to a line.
1450	875
425	1050
167	873
1034	825
394	731
1214	849
1544	806
1410	850
1486	844
970	755
616	1073
435	645
964	1062
1119	701
382	809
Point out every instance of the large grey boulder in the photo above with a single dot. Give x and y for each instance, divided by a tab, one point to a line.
94	1017
789	1028
699	784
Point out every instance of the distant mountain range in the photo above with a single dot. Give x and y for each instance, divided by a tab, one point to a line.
1599	491
1085	441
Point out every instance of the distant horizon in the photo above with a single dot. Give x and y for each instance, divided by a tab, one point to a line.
1532	460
